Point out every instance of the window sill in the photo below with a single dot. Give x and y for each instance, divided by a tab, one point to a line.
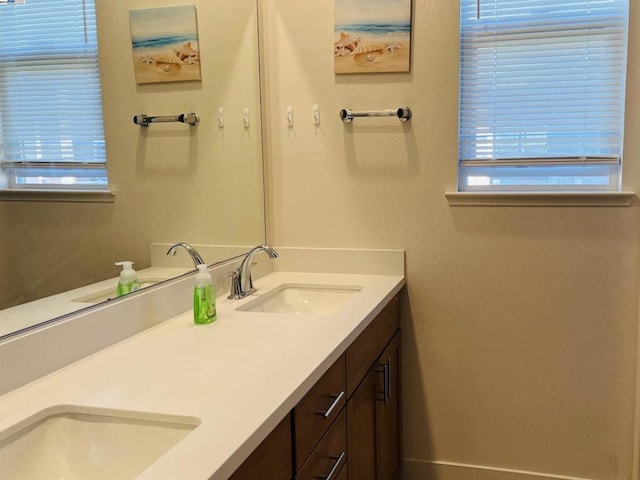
68	196
540	199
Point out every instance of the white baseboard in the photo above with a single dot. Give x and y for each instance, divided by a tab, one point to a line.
421	470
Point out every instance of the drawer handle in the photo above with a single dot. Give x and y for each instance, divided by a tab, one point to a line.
386	373
334	469
333	405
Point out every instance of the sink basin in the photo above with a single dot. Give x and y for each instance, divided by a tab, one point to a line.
111	292
74	443
302	299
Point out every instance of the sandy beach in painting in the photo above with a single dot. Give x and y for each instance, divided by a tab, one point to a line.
168	62
371	53
375	53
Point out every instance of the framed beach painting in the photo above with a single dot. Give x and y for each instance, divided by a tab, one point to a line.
372	36
165	44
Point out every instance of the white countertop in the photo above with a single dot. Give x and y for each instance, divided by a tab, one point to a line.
240	375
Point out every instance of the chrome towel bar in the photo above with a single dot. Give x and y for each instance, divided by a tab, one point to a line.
403	113
145	120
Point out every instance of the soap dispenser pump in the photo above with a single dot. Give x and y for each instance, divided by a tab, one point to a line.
204	297
128	281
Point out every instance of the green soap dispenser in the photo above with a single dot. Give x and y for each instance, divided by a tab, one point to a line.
128	279
204	297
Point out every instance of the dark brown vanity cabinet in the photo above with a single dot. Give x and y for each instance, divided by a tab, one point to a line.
374	417
348	426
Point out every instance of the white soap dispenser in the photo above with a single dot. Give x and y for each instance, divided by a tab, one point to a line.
128	279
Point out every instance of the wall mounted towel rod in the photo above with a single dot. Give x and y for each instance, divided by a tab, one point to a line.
403	113
146	120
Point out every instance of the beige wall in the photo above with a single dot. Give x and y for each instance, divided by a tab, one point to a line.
172	182
520	325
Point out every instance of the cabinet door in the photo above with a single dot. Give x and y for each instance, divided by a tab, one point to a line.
361	432
389	413
374	423
271	460
362	353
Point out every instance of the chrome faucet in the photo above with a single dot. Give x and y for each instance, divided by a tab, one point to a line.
195	256
241	282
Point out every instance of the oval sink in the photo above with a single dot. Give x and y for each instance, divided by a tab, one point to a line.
302	299
75	443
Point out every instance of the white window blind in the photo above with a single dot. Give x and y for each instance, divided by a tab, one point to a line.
541	94
51	129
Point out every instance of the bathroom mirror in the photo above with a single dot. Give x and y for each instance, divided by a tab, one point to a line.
171	182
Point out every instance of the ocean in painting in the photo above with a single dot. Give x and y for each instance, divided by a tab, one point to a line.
375	28
146	45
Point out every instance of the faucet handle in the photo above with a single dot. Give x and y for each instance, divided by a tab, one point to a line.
235	292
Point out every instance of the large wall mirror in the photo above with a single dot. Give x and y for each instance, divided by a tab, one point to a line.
172	182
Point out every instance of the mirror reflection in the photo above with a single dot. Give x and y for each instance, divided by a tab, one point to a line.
171	182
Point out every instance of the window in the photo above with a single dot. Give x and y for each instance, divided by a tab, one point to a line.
541	94
51	131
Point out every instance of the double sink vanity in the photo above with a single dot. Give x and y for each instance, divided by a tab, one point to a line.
298	380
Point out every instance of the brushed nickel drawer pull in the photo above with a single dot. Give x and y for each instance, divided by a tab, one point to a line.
334	469
385	369
327	414
387	385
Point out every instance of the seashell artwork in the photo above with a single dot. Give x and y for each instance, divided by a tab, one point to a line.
165	44
372	36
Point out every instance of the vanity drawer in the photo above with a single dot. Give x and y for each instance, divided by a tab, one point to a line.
329	459
343	474
318	409
365	349
271	460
